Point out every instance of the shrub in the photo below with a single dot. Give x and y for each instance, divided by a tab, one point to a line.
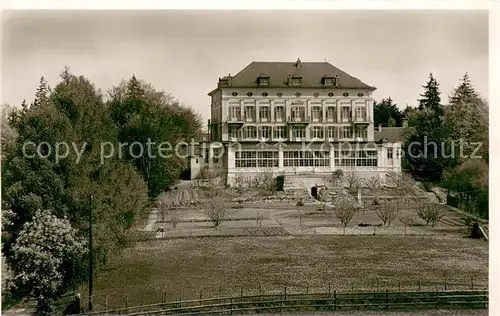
279	182
430	213
300	202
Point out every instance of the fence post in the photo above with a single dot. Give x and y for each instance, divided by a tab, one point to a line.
405	230
334	299
386	298
378	286
437	298
419	285
260	289
399	286
472	283
106	303
445	285
307	288
201	295
126	301
241	294
329	289
231	301
374	227
285	292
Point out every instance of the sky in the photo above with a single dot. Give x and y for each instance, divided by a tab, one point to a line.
185	52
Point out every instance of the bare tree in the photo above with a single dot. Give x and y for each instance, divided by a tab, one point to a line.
323	197
387	212
260	218
216	210
335	178
344	210
352	180
405	187
374	184
168	204
431	213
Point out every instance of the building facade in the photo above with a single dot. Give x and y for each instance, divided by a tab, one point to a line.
295	118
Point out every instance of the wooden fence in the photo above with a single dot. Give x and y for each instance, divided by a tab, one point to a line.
387	300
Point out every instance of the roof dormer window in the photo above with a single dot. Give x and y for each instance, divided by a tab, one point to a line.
328	81
296	81
263	80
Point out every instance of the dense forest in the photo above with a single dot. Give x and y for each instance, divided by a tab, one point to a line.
38	186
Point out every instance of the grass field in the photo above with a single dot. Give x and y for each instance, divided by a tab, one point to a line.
181	268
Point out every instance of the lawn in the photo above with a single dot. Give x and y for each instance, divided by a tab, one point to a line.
182	268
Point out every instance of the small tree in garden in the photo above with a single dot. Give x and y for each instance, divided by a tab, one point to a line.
335	178
45	256
431	213
260	218
344	209
322	197
387	212
352	181
404	185
168	208
216	210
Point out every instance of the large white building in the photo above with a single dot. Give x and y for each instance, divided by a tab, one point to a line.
299	119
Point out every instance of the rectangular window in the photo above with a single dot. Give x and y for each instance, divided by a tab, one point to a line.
265	131
389	153
329	81
234	132
264	113
299	132
299	158
345	114
279	132
234	113
216	153
298	113
317	132
346	132
250	132
249	113
331	114
264	81
361	132
279	113
296	81
316	113
332	132
361	114
254	159
207	153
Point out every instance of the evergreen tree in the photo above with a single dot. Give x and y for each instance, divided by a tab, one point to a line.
425	154
384	110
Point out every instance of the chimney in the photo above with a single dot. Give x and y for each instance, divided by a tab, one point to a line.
298	64
380	128
405	122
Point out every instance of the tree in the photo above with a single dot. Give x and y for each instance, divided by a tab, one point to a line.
216	210
352	181
430	213
335	178
344	209
425	155
387	212
387	113
44	259
168	204
151	118
466	121
73	114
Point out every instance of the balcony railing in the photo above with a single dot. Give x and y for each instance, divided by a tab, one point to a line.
362	120
303	119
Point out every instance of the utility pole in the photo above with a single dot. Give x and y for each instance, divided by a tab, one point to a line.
90	255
